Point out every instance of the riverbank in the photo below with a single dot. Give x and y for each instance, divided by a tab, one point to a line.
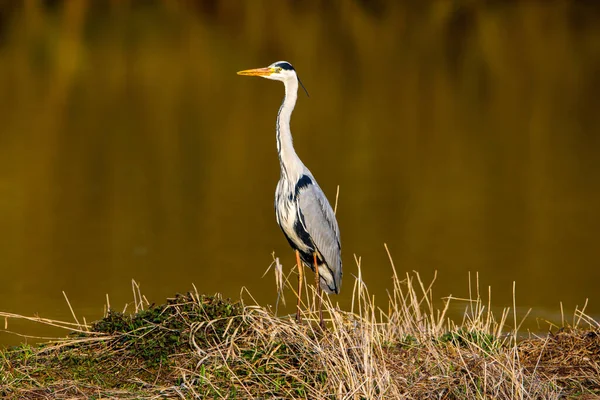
197	346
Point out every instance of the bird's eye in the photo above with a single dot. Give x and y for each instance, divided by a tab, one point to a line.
279	69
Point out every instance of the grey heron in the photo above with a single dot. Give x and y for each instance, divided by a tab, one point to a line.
302	210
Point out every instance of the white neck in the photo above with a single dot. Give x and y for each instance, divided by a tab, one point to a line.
288	159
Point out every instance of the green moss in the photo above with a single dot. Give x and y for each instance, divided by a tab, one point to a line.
160	331
407	342
464	338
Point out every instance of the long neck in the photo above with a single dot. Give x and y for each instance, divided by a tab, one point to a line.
288	158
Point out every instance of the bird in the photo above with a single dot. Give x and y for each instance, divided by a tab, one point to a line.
301	208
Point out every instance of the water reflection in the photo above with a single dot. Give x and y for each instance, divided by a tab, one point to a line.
465	137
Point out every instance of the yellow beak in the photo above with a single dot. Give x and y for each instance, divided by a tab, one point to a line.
257	72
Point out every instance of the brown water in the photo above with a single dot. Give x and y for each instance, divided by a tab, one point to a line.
465	137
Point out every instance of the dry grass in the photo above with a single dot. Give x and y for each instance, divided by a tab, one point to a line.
204	347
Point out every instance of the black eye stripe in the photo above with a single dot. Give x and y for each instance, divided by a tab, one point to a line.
285	65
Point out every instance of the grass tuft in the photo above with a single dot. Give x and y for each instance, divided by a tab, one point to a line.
198	346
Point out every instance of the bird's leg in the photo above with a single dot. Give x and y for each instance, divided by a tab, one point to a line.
300	278
319	299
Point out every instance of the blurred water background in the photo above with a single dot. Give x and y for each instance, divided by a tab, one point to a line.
463	134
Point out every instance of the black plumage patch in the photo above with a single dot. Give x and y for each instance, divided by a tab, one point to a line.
285	65
303	182
302	233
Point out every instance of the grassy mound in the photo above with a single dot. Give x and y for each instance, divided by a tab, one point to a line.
206	347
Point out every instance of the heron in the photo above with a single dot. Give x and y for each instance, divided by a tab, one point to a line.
301	208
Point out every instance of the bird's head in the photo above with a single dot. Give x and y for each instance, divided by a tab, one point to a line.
279	71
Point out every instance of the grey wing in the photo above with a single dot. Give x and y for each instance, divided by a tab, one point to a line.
319	221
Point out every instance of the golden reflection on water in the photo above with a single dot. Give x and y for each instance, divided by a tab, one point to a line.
465	136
